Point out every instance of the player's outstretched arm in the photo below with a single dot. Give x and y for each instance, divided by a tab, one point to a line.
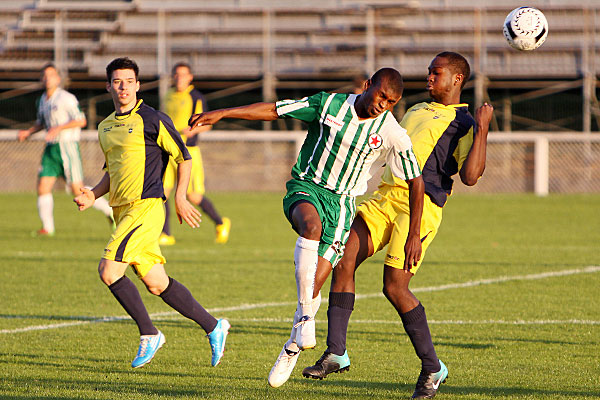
185	210
412	247
252	112
474	165
87	197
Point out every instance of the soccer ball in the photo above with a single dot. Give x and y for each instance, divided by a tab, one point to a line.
525	28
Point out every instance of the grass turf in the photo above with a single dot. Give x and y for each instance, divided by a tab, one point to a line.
519	317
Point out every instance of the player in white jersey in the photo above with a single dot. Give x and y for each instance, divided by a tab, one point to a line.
347	134
59	114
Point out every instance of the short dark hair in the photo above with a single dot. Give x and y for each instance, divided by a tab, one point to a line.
121	63
48	65
181	64
391	76
458	63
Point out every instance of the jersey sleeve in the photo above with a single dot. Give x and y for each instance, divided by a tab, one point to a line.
200	105
170	140
306	109
72	108
401	158
464	146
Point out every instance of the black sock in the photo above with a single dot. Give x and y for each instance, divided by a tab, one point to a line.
127	294
209	209
179	297
167	227
340	308
415	325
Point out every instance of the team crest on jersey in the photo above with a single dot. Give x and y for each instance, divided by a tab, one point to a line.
375	141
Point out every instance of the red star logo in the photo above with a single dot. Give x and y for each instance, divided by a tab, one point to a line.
375	141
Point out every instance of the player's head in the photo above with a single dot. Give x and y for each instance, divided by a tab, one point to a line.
182	76
382	92
123	84
447	75
50	76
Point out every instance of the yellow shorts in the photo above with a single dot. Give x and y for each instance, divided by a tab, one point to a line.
135	241
387	216
196	176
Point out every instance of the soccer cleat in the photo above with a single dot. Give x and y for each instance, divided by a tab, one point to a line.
217	340
305	333
327	364
429	383
222	231
283	367
166	240
149	345
42	233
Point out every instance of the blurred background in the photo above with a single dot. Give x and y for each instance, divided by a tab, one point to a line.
545	130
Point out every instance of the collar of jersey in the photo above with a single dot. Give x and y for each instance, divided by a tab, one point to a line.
128	113
460	105
351	100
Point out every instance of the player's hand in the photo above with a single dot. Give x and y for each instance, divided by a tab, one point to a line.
483	115
86	199
203	119
23	134
187	212
51	134
412	251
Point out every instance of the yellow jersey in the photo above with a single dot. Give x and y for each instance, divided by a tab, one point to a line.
136	147
441	137
181	105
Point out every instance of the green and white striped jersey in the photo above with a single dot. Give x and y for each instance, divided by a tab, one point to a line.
340	149
59	109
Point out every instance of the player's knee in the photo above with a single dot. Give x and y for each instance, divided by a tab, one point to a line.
155	290
311	230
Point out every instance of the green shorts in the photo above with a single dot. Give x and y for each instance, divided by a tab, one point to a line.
336	212
62	160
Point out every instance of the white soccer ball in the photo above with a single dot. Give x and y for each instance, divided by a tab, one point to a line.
525	28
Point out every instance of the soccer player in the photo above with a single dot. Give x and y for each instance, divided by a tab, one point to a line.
137	142
347	133
181	102
59	114
446	140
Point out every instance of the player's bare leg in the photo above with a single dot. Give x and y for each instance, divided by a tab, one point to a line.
412	313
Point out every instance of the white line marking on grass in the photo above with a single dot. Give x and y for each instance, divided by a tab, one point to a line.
243	307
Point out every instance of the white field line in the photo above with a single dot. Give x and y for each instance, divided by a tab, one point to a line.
243	307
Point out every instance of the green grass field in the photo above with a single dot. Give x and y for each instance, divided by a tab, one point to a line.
511	286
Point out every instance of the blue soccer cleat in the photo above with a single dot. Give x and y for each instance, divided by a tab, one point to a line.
217	340
429	383
327	364
149	345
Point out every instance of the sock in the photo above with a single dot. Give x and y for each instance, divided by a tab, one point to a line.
127	294
209	209
179	297
306	257
45	205
167	227
102	205
340	308
415	325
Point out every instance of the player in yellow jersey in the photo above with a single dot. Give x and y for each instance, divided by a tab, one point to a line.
137	142
181	102
446	140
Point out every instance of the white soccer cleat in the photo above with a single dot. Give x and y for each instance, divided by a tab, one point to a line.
305	333
283	367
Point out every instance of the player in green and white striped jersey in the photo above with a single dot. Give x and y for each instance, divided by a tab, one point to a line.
347	135
59	114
